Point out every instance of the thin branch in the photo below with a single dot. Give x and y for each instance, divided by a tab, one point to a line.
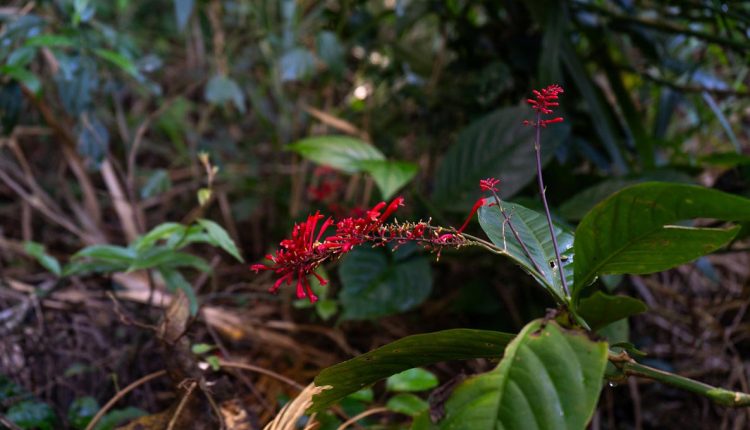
364	414
257	369
181	406
120	394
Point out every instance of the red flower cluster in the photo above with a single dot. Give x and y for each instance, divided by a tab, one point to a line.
545	100
489	184
299	256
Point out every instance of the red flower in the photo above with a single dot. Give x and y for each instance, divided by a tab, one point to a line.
489	184
543	103
299	256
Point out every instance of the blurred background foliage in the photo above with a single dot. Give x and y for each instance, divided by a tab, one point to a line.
106	108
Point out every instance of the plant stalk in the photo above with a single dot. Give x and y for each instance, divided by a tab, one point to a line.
543	191
719	396
516	235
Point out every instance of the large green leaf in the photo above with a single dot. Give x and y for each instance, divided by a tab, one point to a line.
496	145
631	231
600	309
533	230
412	351
340	152
377	282
549	378
389	176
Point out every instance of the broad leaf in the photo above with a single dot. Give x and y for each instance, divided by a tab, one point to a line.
496	145
221	238
377	282
340	152
222	89
412	351
600	309
408	404
549	378
416	379
533	230
389	176
630	232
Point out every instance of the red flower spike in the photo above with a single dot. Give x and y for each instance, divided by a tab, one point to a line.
489	184
544	100
306	250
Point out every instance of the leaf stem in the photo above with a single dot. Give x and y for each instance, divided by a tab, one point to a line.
543	191
719	396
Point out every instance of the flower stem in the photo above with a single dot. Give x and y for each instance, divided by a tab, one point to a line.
517	236
543	191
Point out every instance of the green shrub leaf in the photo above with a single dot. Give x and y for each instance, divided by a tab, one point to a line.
340	152
600	309
412	351
377	282
632	231
549	379
389	176
496	145
416	379
533	230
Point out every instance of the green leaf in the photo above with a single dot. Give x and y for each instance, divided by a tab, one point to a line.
496	145
580	204
23	76
221	89
201	348
533	230
409	352
377	282
416	379
32	415
81	411
169	258
214	362
296	64
407	403
330	50
600	309
118	60
119	416
630	232
93	139
175	281
549	378
340	152
108	253
326	308
158	182
182	11
160	232
221	238
389	176
47	261
49	41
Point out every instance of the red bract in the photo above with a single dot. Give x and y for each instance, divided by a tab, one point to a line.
489	184
543	103
299	256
